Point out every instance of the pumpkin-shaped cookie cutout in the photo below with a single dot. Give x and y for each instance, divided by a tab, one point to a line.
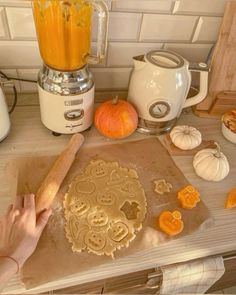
98	218
95	241
106	197
85	187
189	197
171	222
80	206
118	231
231	199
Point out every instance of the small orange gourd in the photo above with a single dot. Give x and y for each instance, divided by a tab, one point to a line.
116	119
171	222
231	199
188	197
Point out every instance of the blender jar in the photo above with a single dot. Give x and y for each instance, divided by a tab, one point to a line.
64	32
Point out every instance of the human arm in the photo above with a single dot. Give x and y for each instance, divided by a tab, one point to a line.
20	231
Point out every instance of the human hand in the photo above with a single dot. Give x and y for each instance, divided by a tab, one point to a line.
20	229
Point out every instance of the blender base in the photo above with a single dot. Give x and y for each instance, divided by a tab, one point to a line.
56	134
67	113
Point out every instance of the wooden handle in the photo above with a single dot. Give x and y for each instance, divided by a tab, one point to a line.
51	184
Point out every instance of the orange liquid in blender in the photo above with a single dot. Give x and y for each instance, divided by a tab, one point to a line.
63	30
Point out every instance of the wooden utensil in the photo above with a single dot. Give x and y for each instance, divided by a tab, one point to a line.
222	84
51	184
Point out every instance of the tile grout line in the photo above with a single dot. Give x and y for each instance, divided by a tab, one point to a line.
196	30
140	29
140	12
175	5
6	25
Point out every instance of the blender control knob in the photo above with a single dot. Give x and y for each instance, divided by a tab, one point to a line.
74	115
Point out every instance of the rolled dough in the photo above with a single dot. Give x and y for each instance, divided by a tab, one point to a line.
104	208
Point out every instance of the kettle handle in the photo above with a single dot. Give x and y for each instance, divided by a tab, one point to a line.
4	118
203	69
103	19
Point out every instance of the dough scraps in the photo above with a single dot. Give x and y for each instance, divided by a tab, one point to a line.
104	208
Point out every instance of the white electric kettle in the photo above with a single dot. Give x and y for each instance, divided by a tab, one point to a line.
4	117
159	87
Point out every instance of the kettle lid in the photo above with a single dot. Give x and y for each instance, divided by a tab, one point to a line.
165	59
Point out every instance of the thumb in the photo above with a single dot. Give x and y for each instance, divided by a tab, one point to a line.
43	220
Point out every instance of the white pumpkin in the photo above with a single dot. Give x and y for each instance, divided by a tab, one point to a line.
186	137
211	164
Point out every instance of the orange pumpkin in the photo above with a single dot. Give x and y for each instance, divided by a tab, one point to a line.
231	199
171	222
116	119
188	197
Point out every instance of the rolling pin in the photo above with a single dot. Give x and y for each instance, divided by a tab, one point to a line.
51	184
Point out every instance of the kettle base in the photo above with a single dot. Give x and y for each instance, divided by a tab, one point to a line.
155	128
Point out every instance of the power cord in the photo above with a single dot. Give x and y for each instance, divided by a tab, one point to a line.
7	79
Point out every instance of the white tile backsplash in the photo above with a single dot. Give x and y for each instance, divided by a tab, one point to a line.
192	52
200	7
16	3
124	26
158	6
19	54
207	29
111	78
189	27
161	27
29	74
21	23
3	24
121	54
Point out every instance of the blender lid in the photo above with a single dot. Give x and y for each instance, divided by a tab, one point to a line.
165	59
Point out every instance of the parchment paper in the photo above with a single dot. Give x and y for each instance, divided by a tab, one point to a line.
54	258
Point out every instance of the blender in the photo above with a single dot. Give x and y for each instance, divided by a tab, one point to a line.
65	84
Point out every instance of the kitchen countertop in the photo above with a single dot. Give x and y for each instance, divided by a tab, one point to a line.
28	137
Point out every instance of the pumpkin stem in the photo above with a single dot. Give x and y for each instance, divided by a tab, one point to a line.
218	150
115	100
186	130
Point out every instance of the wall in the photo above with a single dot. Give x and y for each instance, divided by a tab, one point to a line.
189	27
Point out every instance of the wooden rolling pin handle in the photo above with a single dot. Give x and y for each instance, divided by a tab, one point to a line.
51	184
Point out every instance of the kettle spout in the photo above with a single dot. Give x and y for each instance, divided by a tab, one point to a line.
139	62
